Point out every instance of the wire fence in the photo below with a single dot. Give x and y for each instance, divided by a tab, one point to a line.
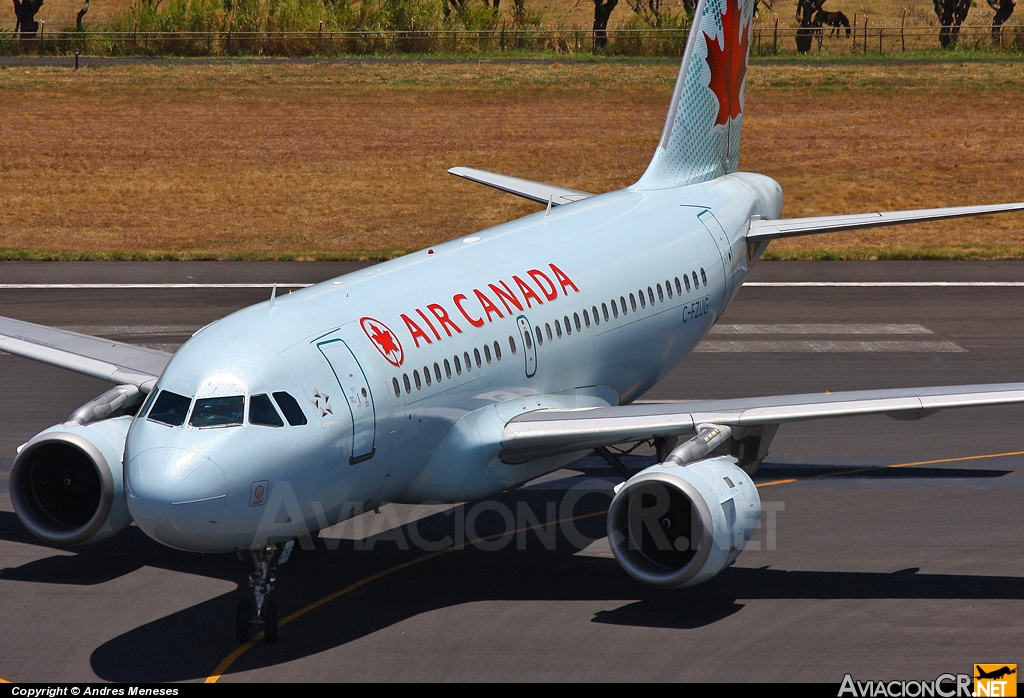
859	39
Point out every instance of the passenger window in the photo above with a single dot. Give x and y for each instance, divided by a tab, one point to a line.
558	329
497	350
416	379
170	408
218	412
476	355
437	372
290	407
467	361
447	368
687	280
703	277
547	330
398	388
528	339
643	303
576	319
604	310
458	366
696	284
586	317
540	335
650	294
512	344
622	302
679	289
408	386
597	318
632	302
568	327
262	412
661	295
487	353
426	374
615	309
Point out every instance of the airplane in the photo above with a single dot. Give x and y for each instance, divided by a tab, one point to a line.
995	674
466	369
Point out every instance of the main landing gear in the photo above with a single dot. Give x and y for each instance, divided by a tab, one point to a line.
262	611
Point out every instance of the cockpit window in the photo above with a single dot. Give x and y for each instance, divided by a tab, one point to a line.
170	408
292	411
218	412
262	412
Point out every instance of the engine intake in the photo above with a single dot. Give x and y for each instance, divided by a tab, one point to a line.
672	526
67	483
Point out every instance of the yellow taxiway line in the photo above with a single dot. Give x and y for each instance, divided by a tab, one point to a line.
242	649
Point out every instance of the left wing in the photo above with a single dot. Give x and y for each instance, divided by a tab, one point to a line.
551	432
528	189
120	363
764	230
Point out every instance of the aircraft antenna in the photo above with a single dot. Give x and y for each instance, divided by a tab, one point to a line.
273	295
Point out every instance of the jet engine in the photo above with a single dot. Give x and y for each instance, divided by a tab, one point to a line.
67	483
676	525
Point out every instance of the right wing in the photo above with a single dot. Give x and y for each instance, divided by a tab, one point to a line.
549	432
112	361
528	189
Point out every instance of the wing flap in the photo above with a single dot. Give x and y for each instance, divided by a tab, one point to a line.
761	230
528	189
550	432
93	356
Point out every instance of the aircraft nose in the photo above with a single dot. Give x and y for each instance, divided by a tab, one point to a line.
174	494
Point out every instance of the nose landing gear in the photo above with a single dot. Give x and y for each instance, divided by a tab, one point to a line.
262	611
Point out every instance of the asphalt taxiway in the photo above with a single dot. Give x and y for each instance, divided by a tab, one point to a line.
883	572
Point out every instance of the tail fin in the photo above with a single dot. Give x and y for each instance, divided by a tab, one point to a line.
701	139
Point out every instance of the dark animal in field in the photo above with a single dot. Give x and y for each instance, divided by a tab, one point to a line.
832	19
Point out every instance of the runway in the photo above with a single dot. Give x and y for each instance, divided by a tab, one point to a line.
892	550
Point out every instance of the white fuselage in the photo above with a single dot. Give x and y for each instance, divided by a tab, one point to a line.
355	353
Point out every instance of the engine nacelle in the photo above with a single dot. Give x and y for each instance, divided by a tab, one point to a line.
67	483
673	526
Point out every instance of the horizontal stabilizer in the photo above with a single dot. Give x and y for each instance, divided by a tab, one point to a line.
549	432
790	227
534	191
93	356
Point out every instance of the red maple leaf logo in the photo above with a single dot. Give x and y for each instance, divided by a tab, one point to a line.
384	339
728	64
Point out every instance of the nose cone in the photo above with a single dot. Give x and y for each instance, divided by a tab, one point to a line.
176	496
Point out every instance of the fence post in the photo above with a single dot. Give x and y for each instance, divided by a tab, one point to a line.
865	35
320	39
502	35
135	37
42	28
903	38
227	49
853	46
880	30
775	38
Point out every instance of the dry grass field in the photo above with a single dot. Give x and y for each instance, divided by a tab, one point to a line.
348	161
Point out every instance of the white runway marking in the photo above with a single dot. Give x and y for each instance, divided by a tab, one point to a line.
130	286
131	330
818	346
883	284
820	328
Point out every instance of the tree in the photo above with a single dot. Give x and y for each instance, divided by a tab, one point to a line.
80	15
650	10
1003	8
602	12
951	14
25	11
805	10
